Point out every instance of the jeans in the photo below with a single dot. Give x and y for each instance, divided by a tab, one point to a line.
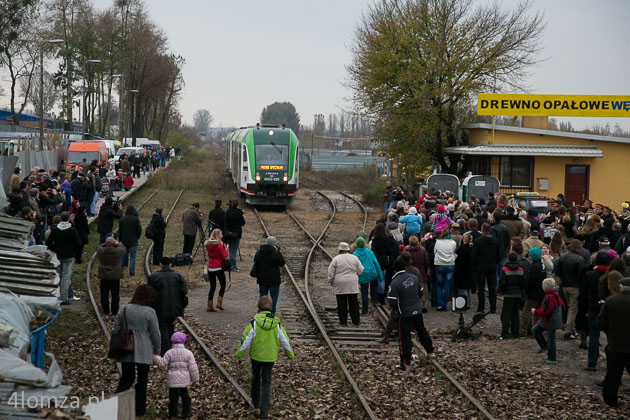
348	302
127	379
273	291
388	205
130	255
405	325
93	203
527	320
373	288
498	272
481	290
443	275
212	276
571	294
104	237
65	273
233	251
549	344
167	328
88	203
108	286
173	399
593	339
261	384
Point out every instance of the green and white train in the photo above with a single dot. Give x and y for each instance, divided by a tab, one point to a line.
263	162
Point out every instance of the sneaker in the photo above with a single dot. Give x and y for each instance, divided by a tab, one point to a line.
502	338
573	336
539	351
257	412
431	355
583	346
75	298
414	356
550	362
567	336
401	367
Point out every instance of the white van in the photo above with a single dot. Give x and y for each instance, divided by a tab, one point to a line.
127	151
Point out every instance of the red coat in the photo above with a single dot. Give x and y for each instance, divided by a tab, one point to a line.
216	253
127	181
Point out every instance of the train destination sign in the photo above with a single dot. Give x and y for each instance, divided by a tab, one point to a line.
279	168
553	105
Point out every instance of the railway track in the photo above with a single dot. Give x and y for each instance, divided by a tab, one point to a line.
352	346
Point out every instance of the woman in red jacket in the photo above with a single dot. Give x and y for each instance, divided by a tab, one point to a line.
216	253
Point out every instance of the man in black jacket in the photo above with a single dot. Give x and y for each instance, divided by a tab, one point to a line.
172	298
404	294
268	261
129	231
106	216
216	217
64	241
569	269
234	222
158	225
485	257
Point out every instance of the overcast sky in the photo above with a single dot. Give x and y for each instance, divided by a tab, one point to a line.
242	55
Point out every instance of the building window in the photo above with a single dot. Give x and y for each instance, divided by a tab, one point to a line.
516	171
480	165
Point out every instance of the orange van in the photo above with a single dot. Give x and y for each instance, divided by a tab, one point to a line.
88	150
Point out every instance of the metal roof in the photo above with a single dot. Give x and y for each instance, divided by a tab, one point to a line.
554	133
526	150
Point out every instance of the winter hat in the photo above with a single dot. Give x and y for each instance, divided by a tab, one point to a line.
535	253
440	208
450	207
360	242
271	240
178	338
165	261
392	225
548	284
401	247
412	210
612	254
509	209
400	205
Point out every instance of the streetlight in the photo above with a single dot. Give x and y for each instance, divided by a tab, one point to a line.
133	111
84	89
41	84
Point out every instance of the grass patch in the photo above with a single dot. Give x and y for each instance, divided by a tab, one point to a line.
65	325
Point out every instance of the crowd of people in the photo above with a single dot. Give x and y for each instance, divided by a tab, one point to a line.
562	270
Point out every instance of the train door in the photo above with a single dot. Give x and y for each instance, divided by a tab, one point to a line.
244	166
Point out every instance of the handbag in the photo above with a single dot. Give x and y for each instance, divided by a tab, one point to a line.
253	272
121	343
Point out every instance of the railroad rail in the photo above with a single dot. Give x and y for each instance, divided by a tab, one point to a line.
191	331
381	313
308	302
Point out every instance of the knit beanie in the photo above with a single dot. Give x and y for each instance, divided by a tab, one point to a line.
271	240
612	254
360	242
412	210
440	208
178	338
535	253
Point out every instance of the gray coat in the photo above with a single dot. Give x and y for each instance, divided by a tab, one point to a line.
146	333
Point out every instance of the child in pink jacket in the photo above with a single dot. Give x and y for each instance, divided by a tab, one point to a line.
182	371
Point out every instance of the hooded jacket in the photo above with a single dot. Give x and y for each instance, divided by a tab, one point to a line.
182	367
371	268
216	254
16	203
129	228
537	273
268	261
106	217
159	227
551	310
64	241
264	335
109	261
65	187
570	266
412	222
486	253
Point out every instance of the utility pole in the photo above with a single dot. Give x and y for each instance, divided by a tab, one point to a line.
133	112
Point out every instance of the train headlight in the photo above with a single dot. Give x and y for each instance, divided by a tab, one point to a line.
257	176
285	178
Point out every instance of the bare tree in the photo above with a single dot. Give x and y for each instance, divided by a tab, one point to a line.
51	93
202	120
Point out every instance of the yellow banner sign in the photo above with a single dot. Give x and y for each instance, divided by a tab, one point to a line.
553	105
271	167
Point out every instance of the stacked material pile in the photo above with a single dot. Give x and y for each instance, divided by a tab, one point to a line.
31	271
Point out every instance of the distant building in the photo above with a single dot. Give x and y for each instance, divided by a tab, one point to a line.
532	158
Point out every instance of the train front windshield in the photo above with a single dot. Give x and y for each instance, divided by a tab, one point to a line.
272	154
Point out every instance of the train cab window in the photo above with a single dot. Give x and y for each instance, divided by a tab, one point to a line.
272	154
244	154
